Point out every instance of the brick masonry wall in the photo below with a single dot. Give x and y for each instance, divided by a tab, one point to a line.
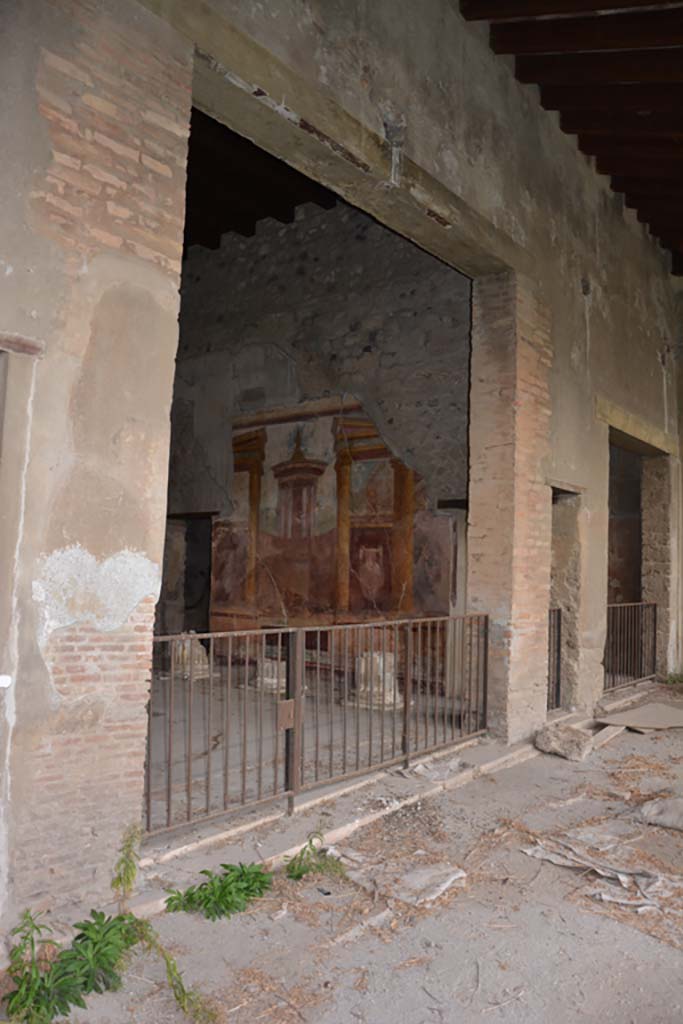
509	521
88	772
340	305
112	103
116	105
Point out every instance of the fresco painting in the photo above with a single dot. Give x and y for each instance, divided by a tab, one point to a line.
326	526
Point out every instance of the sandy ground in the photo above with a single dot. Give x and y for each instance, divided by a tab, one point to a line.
522	940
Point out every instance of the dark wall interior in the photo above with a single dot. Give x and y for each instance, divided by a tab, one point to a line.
625	526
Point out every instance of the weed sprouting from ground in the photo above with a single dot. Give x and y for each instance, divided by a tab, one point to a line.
50	981
224	894
313	858
126	867
47	987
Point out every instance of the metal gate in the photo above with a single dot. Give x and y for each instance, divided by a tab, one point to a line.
238	718
554	659
630	644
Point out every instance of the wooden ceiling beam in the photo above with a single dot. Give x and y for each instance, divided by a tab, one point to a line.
635	125
579	35
631	66
615	98
626	147
504	10
638	189
639	167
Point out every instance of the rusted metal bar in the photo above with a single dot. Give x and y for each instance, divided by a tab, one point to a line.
209	730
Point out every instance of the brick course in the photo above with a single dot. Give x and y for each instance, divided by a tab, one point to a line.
88	771
117	109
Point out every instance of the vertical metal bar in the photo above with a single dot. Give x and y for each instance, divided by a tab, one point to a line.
295	692
384	692
418	685
396	662
331	691
441	673
485	671
345	703
407	693
245	708
433	642
148	760
227	700
470	719
276	731
371	713
209	729
317	706
260	654
358	670
188	747
171	712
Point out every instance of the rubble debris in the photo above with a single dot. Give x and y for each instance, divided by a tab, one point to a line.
665	812
646	717
564	740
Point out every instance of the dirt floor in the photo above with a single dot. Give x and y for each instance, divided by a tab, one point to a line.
517	939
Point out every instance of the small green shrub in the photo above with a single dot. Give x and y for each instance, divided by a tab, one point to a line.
224	894
313	858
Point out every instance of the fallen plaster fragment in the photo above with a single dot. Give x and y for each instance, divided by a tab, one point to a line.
645	887
665	812
5	682
565	741
647	716
426	884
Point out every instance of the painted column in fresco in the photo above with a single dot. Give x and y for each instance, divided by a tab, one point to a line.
343	467
402	537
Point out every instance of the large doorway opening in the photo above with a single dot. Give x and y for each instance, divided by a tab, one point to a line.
318	484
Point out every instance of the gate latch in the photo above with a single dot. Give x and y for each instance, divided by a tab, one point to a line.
285	714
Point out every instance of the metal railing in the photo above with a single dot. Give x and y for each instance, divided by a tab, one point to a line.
554	659
630	644
237	718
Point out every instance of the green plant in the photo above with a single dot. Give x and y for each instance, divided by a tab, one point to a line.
313	858
47	987
126	867
674	678
224	894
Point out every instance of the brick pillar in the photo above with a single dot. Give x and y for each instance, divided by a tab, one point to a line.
95	196
658	516
509	521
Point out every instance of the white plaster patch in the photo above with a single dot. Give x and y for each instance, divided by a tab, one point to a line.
73	586
5	682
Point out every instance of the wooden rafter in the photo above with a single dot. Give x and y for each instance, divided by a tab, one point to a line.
614	71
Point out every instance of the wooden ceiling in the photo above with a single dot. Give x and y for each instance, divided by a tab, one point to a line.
232	184
614	71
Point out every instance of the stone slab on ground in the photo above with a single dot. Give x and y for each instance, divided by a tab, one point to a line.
564	740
